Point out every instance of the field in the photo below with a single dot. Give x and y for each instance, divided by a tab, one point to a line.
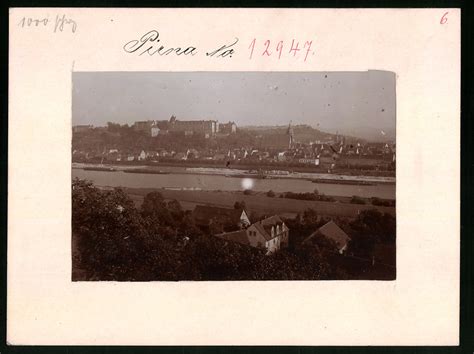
258	203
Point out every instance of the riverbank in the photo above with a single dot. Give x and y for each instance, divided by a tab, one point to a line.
239	165
250	173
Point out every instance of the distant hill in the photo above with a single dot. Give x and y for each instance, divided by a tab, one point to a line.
302	133
372	134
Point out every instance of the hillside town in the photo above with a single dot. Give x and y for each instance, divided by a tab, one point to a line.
211	142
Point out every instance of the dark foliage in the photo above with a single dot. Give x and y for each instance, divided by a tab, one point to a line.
371	228
113	240
308	196
271	194
357	200
239	205
382	202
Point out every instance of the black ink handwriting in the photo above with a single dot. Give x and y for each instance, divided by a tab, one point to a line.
149	44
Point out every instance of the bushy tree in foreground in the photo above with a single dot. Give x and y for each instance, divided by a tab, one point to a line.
370	228
108	231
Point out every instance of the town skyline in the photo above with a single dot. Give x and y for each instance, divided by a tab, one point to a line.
359	104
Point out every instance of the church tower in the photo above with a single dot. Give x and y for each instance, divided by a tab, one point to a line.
290	133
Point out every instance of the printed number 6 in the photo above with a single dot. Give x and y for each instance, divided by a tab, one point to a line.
444	19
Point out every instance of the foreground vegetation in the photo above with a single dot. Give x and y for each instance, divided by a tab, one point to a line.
113	239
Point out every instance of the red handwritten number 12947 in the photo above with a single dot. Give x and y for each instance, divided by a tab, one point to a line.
267	49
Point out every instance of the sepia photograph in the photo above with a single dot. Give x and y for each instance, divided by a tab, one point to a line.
212	176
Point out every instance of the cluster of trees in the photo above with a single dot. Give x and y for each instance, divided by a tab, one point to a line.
374	201
271	194
357	200
308	196
115	240
370	228
382	202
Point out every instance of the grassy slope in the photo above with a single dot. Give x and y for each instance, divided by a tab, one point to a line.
259	203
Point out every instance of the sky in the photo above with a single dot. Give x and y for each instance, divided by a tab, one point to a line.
353	103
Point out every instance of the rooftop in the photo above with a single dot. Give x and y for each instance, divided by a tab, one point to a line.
235	236
206	213
265	226
331	231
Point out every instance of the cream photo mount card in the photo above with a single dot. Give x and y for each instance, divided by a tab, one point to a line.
203	175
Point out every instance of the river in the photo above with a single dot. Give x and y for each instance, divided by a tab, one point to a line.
216	182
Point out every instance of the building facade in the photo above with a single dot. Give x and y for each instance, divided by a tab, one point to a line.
205	127
143	126
227	128
155	130
270	234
